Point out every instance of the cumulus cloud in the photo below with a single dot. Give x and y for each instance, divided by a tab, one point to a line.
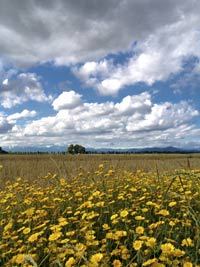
5	125
21	88
67	100
8	122
155	39
134	119
71	31
21	115
159	56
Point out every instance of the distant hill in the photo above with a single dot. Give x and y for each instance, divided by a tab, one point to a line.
60	149
169	149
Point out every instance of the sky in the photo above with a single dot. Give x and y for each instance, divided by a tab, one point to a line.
109	73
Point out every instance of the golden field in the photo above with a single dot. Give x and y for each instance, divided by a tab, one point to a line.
100	210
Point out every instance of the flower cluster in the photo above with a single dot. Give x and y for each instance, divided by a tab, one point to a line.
102	219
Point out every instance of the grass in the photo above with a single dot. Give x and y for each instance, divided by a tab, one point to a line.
130	210
33	166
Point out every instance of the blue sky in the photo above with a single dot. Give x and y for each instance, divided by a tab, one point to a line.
102	74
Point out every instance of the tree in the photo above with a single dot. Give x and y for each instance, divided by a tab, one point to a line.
70	149
2	151
76	149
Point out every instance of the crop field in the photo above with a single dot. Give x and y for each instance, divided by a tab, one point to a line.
100	210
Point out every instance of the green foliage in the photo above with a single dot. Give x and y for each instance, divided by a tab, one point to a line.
76	149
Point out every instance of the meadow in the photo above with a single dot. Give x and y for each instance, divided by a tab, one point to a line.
100	210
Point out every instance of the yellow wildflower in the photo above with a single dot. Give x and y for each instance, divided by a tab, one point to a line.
139	218
172	204
139	230
8	226
26	231
137	244
117	263
55	236
33	237
149	262
187	242
178	253
96	258
70	262
187	264
167	248
157	264
123	213
114	216
106	226
151	242
18	259
163	212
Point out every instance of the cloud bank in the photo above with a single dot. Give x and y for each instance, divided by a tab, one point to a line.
135	120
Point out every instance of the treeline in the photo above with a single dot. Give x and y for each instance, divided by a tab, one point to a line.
75	149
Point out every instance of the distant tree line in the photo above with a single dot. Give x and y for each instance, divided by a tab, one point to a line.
75	149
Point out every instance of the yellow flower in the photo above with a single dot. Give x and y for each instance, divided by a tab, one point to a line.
63	181
151	242
62	221
78	194
29	212
123	213
96	258
187	264
144	210
70	262
178	253
18	259
137	244
119	234
114	216
149	262
55	236
163	212
106	226
172	204
139	230
26	231
33	237
117	263
8	226
187	242
139	218
101	166
157	264
96	193
171	223
167	248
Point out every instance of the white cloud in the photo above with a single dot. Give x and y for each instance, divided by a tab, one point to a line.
139	104
67	100
21	115
135	121
163	116
88	36
5	125
20	89
75	31
159	56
